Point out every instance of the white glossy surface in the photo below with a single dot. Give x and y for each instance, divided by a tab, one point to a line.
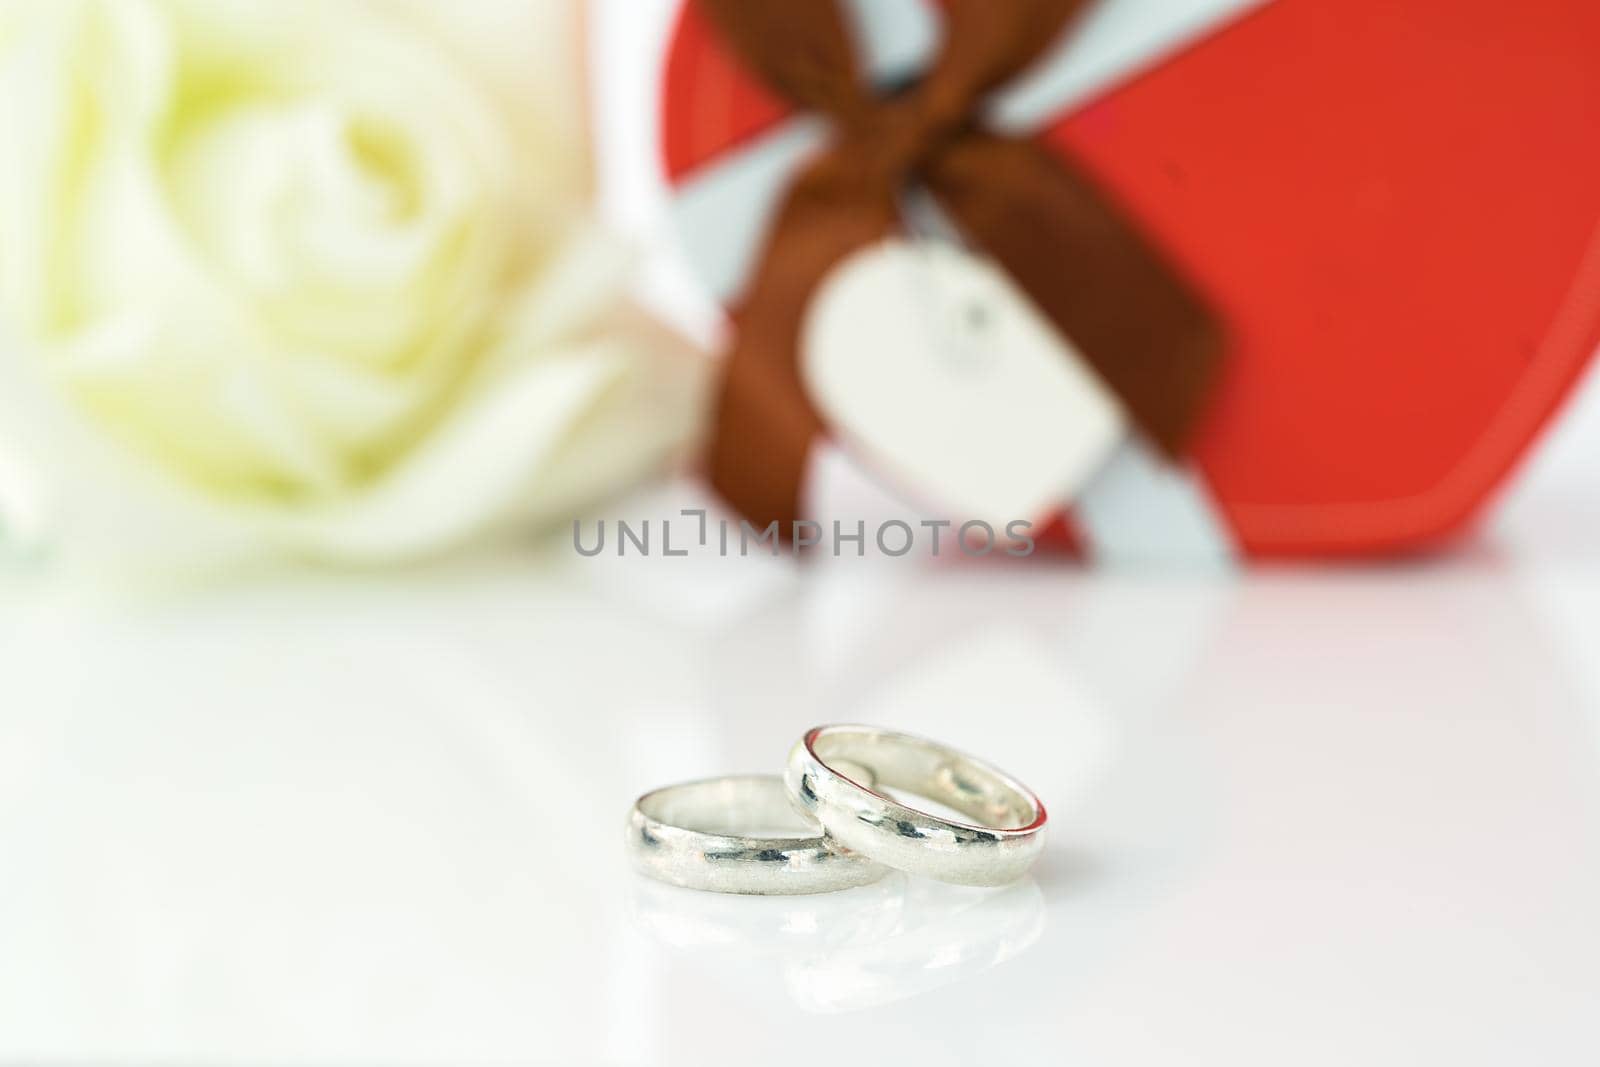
1337	817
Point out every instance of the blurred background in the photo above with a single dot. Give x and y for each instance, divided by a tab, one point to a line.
322	322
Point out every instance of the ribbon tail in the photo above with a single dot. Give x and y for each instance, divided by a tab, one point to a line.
1139	324
765	422
761	444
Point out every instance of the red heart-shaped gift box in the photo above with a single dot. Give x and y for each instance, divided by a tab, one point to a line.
1393	205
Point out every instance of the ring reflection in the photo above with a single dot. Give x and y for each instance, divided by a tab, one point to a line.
855	949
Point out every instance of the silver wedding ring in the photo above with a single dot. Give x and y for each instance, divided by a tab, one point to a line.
738	835
832	821
997	846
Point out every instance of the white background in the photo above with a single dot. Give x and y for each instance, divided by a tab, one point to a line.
1300	816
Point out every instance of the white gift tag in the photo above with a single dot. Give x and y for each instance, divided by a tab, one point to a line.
940	372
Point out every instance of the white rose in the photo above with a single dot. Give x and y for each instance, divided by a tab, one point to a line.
310	274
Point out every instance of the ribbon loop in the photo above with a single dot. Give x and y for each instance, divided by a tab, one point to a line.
800	49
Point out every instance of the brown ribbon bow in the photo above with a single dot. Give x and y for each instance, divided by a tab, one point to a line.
1146	334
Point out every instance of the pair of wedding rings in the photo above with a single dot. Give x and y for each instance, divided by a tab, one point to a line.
829	822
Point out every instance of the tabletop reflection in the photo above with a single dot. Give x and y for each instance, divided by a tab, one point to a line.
860	948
